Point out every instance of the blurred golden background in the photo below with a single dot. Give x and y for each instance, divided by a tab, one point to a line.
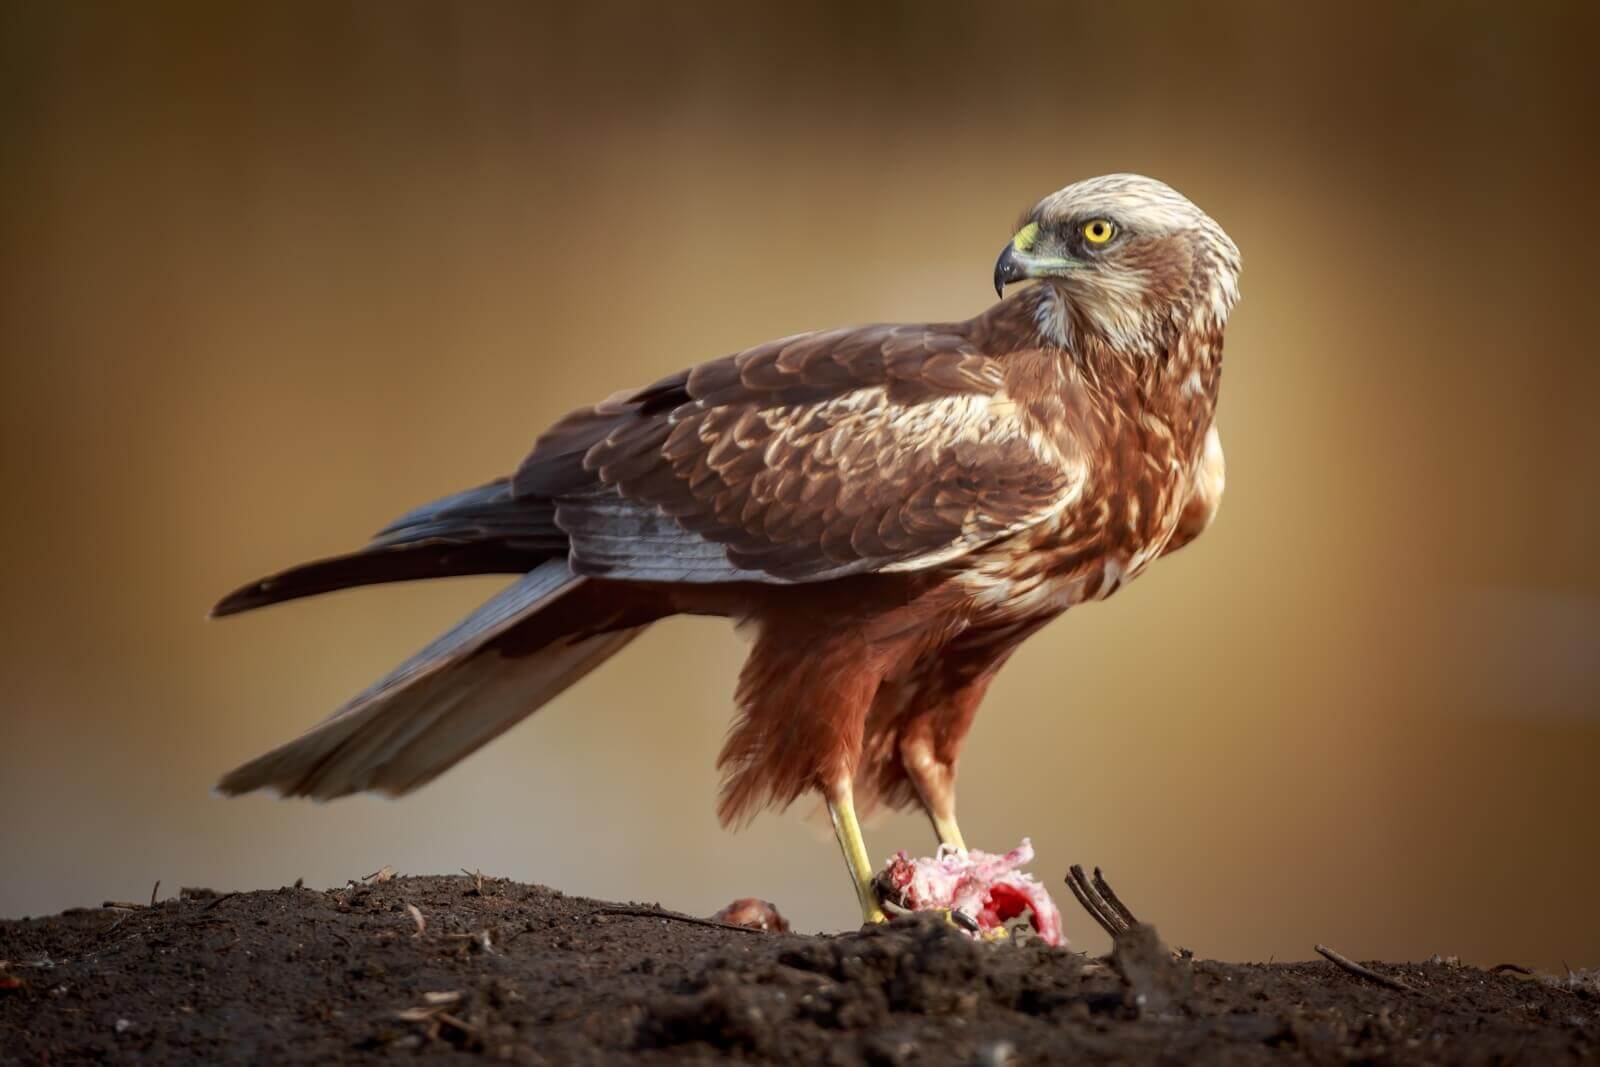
275	273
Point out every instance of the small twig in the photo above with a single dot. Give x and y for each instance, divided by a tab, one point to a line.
1512	968
1109	918
219	900
416	917
1074	874
1110	897
122	905
1349	966
436	1003
481	939
153	891
678	916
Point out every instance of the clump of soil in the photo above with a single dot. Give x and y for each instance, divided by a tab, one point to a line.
459	968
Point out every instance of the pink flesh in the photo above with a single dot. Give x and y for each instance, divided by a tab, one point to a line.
987	887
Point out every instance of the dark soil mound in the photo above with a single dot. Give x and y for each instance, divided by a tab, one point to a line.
455	967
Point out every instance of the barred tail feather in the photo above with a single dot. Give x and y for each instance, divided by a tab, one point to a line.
439	706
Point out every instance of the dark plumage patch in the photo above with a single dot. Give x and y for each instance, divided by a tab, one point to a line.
806	458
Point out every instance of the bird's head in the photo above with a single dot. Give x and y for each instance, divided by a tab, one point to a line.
1125	257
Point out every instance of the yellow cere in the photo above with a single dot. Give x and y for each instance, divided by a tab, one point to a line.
1098	231
1025	237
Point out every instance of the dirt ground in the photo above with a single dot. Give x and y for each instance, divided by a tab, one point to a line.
455	968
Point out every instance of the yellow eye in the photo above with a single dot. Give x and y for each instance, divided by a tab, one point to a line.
1099	231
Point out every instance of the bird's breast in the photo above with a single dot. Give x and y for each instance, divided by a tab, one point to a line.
1124	518
1138	428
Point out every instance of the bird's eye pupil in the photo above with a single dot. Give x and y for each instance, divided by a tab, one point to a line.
1098	231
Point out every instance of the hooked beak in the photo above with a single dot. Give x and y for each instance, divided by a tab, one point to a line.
1007	269
1018	263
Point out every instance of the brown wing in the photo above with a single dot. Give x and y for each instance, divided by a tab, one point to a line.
813	457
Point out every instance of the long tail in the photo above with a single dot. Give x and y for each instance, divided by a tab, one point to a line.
493	669
480	531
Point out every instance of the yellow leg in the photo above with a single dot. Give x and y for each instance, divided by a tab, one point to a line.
842	808
935	783
944	824
949	833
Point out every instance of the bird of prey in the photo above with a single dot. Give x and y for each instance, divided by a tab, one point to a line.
892	509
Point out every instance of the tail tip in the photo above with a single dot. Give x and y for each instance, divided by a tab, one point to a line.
254	595
230	785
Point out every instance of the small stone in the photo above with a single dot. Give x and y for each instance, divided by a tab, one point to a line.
995	1054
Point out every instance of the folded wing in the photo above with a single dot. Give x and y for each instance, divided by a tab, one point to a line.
874	449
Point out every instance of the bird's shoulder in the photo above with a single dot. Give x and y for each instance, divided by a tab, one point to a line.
880	447
800	377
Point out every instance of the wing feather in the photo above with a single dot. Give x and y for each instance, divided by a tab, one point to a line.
811	457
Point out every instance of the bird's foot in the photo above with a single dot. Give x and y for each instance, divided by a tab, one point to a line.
977	892
848	830
952	916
